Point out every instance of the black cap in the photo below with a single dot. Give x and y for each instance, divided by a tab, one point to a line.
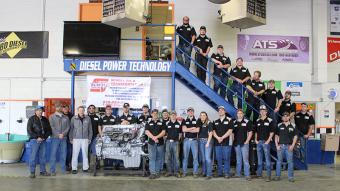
203	27
220	46
154	110
190	108
146	105
126	105
285	113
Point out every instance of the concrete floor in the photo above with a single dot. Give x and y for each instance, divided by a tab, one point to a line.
14	177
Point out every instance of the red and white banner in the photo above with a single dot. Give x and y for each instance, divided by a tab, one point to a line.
115	91
333	50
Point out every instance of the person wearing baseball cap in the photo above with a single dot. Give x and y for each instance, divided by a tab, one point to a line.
155	130
126	118
203	45
222	130
221	65
38	130
264	129
286	136
190	130
174	134
145	116
287	106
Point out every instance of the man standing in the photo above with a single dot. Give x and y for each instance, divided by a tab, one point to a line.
285	140
126	118
241	76
174	134
60	124
188	34
203	44
190	130
80	136
91	111
66	112
155	130
264	132
222	63
222	130
287	106
256	88
107	119
273	98
145	117
38	130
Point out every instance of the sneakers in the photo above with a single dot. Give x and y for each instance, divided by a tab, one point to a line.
248	178
227	176
167	174
53	174
268	179
32	175
74	171
86	171
178	175
158	175
208	177
291	180
45	174
152	176
277	178
196	175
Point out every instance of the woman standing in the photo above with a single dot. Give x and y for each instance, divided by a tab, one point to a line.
205	143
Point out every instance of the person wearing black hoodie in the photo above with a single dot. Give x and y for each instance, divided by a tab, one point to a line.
38	130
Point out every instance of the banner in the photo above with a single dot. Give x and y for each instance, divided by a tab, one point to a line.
296	88
116	91
265	48
333	50
24	44
94	65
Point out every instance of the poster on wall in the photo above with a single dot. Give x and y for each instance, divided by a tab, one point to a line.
296	88
335	17
24	44
333	50
115	91
267	48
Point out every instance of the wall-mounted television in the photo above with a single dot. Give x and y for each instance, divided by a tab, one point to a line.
87	39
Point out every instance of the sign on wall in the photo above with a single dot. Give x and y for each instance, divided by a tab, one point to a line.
24	44
95	65
333	50
116	91
266	48
335	17
296	88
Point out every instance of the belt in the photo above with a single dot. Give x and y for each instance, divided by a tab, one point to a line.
203	139
191	139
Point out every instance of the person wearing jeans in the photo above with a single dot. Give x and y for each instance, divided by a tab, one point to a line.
38	130
264	128
173	135
187	37
240	76
60	125
155	130
222	130
190	130
243	132
205	144
285	140
80	136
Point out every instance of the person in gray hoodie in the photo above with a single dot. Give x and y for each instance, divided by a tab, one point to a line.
80	136
60	125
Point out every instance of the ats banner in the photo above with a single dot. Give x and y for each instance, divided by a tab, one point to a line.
24	44
333	50
265	48
116	91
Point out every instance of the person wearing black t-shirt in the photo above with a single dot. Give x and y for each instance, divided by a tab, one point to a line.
91	112
287	106
173	136
273	98
285	139
145	116
205	144
240	76
221	65
264	131
155	130
190	131
188	36
243	131
126	118
222	130
203	44
256	88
